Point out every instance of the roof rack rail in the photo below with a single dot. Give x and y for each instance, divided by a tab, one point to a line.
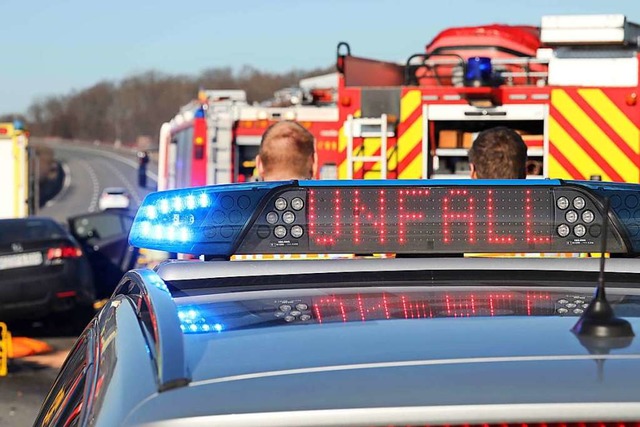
156	309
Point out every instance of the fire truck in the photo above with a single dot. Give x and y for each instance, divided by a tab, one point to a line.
569	87
15	200
215	138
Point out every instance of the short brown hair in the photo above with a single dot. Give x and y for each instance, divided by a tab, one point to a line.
287	146
499	153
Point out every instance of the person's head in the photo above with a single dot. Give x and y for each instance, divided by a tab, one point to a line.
498	153
287	151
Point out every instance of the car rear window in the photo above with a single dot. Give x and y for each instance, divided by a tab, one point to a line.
114	192
28	230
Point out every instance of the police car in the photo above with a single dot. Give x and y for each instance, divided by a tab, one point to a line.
423	336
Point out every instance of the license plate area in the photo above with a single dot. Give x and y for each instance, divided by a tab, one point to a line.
20	260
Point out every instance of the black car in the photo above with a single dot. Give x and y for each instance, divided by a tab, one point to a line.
43	271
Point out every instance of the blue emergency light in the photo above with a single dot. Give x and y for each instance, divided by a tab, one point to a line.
200	113
478	72
393	216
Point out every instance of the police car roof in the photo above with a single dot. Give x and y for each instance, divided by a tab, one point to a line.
478	364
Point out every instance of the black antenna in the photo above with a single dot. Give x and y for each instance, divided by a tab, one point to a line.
599	320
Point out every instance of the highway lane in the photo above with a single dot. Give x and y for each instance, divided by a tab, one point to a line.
87	172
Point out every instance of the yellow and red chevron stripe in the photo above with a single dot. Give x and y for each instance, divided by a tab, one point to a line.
410	128
342	151
590	134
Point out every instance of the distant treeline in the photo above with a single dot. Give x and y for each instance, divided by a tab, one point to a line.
138	105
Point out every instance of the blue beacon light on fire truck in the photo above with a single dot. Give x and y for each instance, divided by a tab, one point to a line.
200	113
402	217
478	72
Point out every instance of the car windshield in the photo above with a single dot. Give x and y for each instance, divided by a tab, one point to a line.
28	230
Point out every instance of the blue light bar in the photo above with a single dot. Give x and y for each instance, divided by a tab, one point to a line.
390	216
202	220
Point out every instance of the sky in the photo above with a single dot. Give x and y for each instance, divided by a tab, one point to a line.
56	47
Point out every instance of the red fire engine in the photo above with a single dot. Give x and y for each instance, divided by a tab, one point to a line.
215	139
569	87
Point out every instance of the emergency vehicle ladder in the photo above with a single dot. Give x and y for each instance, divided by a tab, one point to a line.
354	126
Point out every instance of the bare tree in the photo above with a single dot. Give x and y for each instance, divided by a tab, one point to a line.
139	104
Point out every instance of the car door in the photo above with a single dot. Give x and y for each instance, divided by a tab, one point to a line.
104	239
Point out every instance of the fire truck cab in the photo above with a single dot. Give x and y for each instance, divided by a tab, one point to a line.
215	139
569	87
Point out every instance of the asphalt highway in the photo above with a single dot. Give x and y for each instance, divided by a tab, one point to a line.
88	171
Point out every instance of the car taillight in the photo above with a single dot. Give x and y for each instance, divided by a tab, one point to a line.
63	252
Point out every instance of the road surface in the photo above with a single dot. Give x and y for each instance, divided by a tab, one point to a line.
88	171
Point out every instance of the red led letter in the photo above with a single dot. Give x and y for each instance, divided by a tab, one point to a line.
528	212
405	215
492	235
466	216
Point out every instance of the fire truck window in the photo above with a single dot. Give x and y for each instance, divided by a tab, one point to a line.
451	139
184	150
246	162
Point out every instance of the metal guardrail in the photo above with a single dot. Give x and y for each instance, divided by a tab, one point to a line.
6	348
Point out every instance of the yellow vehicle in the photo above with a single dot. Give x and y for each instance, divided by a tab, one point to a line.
5	348
14	171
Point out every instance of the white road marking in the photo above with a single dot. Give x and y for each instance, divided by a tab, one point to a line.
96	184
